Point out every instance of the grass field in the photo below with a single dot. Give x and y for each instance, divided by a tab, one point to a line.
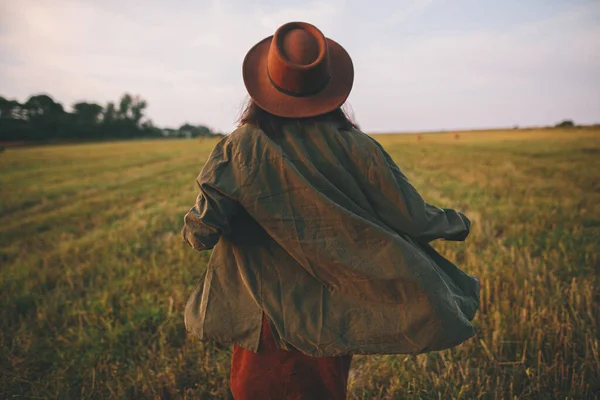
94	275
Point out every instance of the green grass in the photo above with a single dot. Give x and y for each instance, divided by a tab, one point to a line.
94	275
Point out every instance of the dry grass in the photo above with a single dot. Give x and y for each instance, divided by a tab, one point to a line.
94	276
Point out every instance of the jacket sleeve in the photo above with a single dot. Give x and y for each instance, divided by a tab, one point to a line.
217	203
406	212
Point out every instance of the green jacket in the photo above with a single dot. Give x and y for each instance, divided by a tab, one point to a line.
321	230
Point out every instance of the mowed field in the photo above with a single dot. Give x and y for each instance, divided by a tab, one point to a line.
94	275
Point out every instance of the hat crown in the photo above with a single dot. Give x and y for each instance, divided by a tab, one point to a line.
299	47
298	59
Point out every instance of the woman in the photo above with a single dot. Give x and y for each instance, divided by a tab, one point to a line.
320	241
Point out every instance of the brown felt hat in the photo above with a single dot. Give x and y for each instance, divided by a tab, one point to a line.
298	72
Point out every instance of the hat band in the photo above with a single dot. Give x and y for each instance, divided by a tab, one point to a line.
294	94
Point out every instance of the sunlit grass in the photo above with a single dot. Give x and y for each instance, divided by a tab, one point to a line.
94	275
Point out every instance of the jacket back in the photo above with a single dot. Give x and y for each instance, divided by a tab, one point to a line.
321	230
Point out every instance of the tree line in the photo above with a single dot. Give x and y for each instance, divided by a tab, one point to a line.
40	118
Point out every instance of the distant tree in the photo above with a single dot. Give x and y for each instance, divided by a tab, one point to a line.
85	120
150	130
202	130
125	106
110	113
193	131
138	106
9	108
567	123
87	113
45	117
186	130
127	120
131	108
42	107
13	123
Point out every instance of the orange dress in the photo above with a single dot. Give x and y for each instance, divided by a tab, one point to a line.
277	374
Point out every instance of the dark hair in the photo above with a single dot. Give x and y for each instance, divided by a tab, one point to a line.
272	125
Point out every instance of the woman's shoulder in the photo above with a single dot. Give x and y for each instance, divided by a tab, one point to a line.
242	137
244	133
243	144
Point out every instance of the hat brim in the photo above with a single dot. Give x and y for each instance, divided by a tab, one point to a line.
269	98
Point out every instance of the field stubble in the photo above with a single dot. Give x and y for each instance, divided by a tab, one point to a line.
94	275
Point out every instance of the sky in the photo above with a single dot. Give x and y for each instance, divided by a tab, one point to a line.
420	65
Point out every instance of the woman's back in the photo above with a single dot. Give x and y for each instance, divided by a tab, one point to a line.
315	246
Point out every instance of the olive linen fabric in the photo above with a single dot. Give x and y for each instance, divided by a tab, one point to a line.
321	230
